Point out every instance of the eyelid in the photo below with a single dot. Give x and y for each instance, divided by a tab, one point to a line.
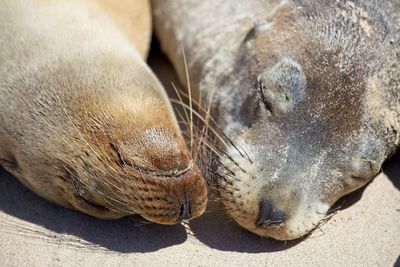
260	93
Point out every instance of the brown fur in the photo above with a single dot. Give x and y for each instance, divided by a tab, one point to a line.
83	121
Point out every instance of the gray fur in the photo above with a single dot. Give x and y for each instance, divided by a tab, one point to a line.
309	89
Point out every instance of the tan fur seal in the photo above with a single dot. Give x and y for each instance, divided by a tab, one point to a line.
83	121
307	91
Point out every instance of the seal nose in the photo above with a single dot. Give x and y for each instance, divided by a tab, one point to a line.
185	213
269	216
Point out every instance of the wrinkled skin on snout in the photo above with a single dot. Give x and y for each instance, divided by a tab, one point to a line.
84	122
107	152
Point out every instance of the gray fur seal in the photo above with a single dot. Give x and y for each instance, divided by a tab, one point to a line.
307	91
83	120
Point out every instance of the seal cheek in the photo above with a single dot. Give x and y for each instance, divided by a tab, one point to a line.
364	169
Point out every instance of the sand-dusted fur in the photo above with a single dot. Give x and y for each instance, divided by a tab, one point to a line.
308	91
83	121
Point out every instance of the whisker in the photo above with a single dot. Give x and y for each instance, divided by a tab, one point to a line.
180	103
221	139
190	96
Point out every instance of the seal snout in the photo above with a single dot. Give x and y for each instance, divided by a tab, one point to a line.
268	215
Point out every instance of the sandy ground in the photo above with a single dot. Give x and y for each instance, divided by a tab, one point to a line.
34	232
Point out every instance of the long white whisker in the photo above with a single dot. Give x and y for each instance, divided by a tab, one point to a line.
190	97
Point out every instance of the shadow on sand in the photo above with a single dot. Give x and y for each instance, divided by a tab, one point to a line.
218	231
392	169
123	236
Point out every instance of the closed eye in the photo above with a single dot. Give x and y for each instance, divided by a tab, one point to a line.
262	97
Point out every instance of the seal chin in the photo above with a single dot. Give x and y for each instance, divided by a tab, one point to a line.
297	226
88	206
282	225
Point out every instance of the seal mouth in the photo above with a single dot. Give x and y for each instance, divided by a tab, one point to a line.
93	205
88	206
162	174
164	200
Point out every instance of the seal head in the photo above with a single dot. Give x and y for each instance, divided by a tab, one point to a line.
107	152
303	130
83	120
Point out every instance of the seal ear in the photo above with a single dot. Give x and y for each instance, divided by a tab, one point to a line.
259	27
282	86
279	12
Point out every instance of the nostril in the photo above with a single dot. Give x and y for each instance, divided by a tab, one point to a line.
277	216
185	213
265	210
269	216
